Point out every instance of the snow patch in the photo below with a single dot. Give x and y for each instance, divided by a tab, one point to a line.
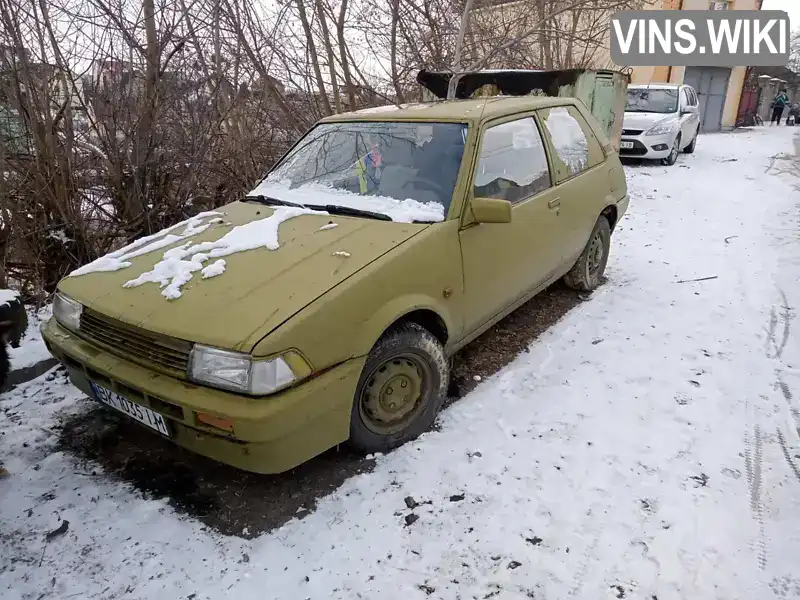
214	269
401	211
7	297
328	226
176	268
342	253
60	236
120	259
31	349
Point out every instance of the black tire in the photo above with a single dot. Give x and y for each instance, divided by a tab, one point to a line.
588	270
4	366
673	155
690	148
408	356
13	322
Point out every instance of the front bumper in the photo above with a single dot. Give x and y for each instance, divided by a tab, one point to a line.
268	435
648	146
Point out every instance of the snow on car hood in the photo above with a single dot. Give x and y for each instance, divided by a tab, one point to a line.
644	121
402	211
259	289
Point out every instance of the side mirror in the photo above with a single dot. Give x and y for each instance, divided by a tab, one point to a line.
491	210
688	110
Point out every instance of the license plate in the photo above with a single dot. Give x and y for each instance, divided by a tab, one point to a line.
626	145
132	409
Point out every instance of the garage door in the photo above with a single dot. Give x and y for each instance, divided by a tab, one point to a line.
711	84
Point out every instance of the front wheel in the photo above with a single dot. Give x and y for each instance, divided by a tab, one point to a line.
673	154
400	391
587	272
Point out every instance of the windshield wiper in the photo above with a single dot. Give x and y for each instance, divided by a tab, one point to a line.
348	211
270	201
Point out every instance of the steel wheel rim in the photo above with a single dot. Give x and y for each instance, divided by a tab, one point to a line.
595	253
393	393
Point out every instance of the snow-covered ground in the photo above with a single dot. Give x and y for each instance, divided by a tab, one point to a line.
644	447
31	349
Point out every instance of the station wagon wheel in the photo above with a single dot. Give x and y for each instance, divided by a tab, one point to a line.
400	389
673	155
587	273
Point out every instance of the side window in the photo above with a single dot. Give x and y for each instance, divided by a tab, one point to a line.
512	164
577	149
693	94
685	97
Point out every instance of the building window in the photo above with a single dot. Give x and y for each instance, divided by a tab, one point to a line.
720	5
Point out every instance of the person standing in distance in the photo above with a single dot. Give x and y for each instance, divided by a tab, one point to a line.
780	102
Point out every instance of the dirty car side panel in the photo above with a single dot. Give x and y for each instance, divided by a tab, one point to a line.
424	273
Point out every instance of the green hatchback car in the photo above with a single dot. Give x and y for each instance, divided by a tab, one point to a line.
324	307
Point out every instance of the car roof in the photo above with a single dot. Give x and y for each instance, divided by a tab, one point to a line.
465	111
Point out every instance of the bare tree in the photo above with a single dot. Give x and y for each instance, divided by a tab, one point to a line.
118	117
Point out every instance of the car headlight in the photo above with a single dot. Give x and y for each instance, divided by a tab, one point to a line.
239	372
67	311
663	127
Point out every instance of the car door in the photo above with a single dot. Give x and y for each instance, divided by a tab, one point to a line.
581	177
687	117
695	116
503	262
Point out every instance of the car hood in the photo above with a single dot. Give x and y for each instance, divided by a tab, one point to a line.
259	290
643	121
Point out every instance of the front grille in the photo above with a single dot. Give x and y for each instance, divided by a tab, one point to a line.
165	353
632	131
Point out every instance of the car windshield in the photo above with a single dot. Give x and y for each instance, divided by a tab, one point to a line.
652	100
404	170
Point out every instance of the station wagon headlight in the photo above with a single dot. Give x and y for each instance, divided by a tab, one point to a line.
67	311
663	127
242	373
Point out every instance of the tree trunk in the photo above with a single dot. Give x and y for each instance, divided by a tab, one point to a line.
398	90
462	29
326	40
312	47
348	78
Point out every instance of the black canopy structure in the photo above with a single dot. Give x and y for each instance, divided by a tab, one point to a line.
510	82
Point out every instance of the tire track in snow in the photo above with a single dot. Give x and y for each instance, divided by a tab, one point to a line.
755	498
782	320
785	448
583	567
793	410
752	460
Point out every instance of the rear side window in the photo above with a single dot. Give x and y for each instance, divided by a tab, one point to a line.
513	163
576	147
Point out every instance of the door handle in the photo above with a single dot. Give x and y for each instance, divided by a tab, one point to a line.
554	203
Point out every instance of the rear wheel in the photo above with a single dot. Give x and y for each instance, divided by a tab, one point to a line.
400	390
585	276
